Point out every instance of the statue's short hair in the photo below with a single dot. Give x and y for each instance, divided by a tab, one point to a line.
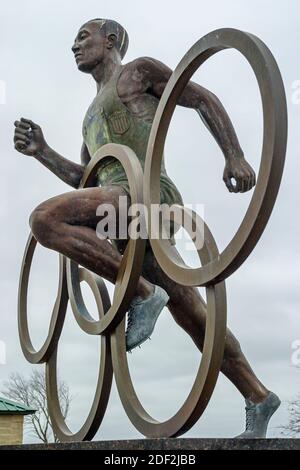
113	27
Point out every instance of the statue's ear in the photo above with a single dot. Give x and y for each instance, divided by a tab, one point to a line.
111	41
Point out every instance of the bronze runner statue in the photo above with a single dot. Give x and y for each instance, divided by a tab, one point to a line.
122	112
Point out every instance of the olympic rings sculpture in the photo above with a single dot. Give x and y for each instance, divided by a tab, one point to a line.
216	267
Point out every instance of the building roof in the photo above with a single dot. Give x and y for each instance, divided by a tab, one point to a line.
8	407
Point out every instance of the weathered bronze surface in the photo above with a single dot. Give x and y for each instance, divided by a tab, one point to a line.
215	267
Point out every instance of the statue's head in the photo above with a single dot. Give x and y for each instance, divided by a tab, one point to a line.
95	40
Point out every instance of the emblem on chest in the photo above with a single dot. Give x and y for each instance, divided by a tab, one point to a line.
119	122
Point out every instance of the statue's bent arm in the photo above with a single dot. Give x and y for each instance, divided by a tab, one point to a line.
151	76
155	75
29	140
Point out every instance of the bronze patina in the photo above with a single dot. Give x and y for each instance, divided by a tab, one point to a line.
124	134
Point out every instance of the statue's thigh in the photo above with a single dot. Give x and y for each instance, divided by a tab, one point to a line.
111	202
83	206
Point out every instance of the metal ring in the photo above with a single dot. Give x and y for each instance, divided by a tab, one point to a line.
207	374
98	408
58	313
272	161
132	261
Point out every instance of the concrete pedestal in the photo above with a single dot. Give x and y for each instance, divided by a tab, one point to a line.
179	444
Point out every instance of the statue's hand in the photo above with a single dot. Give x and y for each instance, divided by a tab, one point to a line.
243	174
28	137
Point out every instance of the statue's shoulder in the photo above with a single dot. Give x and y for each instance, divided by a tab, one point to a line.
138	71
133	78
141	65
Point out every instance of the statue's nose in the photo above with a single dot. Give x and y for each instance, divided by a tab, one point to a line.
75	47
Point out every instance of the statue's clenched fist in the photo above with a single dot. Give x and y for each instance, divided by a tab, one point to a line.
28	137
243	174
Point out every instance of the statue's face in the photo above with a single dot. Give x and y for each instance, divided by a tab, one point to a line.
89	47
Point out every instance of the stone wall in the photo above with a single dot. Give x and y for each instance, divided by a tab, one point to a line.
11	429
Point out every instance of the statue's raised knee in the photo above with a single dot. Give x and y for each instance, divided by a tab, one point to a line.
42	226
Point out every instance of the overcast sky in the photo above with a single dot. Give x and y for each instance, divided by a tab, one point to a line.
43	84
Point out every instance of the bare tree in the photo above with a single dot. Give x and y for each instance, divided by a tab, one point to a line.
292	428
31	392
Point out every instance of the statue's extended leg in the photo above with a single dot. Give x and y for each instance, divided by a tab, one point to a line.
189	311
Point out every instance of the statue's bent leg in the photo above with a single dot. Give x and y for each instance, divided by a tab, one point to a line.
67	224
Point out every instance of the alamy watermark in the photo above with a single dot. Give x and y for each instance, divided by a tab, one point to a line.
131	221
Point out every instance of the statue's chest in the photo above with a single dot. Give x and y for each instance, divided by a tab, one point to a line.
107	120
95	119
